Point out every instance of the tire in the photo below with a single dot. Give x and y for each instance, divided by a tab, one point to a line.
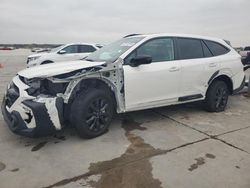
217	97
92	112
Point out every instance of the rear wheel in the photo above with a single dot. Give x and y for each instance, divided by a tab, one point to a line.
217	97
92	112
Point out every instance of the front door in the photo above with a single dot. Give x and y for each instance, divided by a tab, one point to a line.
155	84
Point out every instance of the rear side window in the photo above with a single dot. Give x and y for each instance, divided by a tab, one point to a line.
71	49
216	48
86	49
207	52
189	48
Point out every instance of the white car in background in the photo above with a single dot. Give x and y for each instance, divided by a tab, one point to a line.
68	52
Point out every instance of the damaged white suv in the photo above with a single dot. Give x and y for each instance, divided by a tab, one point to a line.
137	72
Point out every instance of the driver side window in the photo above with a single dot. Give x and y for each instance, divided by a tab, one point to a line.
71	49
161	49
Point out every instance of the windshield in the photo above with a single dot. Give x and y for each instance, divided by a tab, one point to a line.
113	51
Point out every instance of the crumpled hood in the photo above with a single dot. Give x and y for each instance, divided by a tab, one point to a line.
53	69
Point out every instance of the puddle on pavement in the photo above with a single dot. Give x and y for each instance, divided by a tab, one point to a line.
210	156
123	171
201	161
15	170
2	166
39	146
131	169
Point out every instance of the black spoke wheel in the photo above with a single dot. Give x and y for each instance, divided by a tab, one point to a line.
98	114
92	112
217	97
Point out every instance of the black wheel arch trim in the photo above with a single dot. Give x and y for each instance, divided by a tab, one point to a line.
242	85
213	77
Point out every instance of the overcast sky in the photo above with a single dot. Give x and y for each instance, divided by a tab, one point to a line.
102	21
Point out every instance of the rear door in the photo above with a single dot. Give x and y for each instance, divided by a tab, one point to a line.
154	84
198	66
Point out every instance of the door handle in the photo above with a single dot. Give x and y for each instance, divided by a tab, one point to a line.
212	64
174	69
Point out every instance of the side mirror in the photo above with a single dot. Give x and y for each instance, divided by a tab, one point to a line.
140	60
62	52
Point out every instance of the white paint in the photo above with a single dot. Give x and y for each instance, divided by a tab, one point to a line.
50	104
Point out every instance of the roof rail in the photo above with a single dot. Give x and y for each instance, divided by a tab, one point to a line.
130	35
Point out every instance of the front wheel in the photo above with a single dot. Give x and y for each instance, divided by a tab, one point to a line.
217	97
92	112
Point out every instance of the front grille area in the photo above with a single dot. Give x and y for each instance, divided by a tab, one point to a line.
11	95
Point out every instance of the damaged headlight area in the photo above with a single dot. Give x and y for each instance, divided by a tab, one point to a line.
44	86
32	58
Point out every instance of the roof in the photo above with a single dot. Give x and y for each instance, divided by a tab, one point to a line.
176	35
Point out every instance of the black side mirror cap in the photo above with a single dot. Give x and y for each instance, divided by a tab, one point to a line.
140	60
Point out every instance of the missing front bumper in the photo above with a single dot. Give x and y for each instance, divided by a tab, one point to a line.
43	123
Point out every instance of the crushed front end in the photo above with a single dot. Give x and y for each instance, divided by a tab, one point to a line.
29	110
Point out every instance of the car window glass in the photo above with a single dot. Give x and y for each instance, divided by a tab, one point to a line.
216	48
161	49
86	49
113	51
189	48
206	51
71	49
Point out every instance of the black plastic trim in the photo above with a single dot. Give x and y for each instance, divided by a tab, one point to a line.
212	77
241	86
44	125
14	121
190	97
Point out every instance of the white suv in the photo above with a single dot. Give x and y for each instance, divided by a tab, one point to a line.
66	52
134	73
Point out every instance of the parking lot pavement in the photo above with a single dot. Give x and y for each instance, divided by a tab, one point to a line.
178	146
192	115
